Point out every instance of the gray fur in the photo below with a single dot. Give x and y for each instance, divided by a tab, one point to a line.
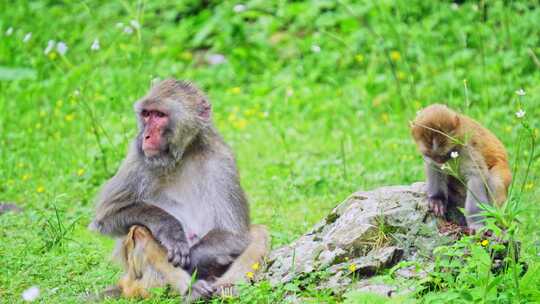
186	192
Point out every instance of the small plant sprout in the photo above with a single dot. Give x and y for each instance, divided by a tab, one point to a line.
61	48
315	48
31	294
27	37
95	45
520	113
239	8
520	92
454	154
9	31
50	47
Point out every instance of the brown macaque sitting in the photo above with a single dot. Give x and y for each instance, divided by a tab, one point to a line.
483	173
147	266
180	182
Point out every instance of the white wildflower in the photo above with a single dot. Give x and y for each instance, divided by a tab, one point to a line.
77	93
50	47
31	294
239	8
315	48
215	59
520	92
135	24
9	31
454	6
27	37
290	92
520	113
61	48
95	45
128	30
454	154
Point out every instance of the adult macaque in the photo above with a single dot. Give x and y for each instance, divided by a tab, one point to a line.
483	172
179	181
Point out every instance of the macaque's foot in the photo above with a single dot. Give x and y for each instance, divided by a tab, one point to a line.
437	206
201	289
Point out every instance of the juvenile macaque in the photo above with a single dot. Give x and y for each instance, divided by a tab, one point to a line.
179	181
146	264
483	174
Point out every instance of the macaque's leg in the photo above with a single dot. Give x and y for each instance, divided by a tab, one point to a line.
499	180
211	257
437	188
476	194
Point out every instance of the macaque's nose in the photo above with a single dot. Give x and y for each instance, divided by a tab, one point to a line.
147	137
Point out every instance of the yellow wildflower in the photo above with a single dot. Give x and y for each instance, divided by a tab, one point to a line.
250	112
234	90
529	186
401	75
255	266
70	117
250	275
52	55
352	267
484	243
385	117
80	172
59	103
25	177
395	55
186	56
240	123
508	129
359	58
40	189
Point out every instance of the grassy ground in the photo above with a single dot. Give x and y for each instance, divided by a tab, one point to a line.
314	97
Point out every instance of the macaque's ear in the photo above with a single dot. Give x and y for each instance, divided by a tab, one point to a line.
205	109
456	121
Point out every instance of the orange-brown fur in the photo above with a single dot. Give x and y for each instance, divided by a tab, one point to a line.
438	121
146	264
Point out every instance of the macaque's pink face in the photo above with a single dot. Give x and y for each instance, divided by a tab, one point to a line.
155	122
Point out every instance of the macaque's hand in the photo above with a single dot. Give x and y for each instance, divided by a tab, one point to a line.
172	237
437	206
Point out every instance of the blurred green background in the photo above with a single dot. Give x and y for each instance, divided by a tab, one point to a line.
314	97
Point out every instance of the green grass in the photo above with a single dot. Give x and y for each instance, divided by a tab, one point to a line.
308	127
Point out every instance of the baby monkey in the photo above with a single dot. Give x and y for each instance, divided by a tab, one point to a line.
147	265
482	172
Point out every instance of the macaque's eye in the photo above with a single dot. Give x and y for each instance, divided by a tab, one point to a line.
145	113
160	114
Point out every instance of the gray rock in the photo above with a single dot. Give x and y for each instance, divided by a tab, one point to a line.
369	232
